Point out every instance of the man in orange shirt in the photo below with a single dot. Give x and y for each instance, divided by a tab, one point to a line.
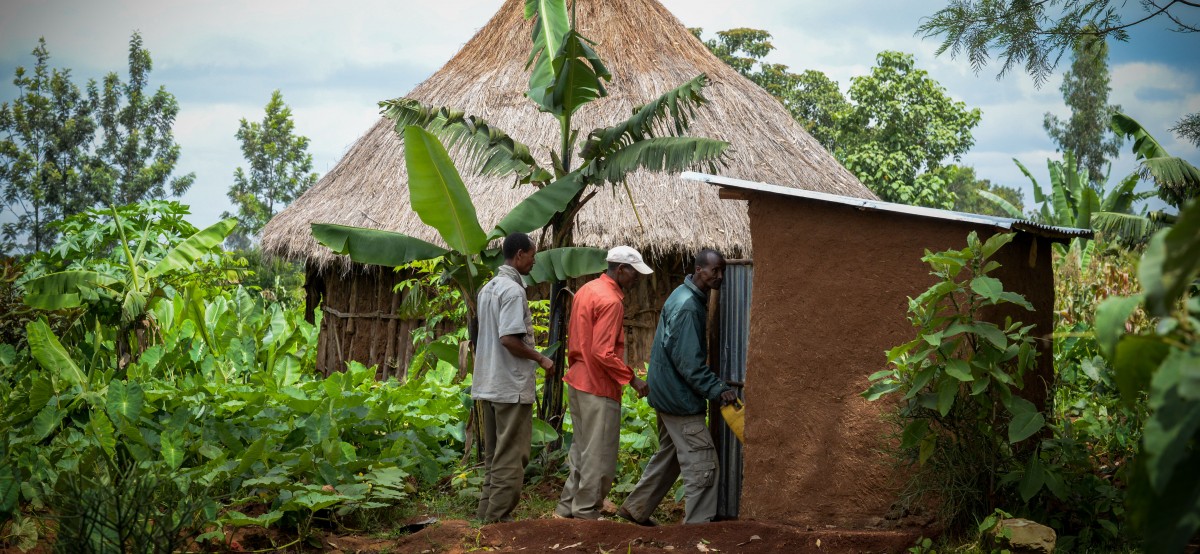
596	373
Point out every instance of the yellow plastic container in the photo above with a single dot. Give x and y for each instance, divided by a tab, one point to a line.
735	415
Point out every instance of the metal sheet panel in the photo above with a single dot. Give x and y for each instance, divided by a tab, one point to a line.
734	341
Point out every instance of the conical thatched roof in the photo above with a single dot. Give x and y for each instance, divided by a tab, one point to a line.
649	52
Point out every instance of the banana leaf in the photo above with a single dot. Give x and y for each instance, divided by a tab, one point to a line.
560	264
51	355
372	246
536	210
64	289
437	192
185	254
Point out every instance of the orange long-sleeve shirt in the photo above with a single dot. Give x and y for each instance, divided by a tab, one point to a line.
596	340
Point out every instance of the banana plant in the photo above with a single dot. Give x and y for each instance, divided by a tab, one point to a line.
132	287
1177	182
440	198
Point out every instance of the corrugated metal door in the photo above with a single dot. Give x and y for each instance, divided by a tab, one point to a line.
733	337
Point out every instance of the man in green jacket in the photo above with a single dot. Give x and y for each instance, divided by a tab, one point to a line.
681	384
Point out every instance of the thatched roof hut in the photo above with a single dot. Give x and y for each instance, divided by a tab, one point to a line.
649	52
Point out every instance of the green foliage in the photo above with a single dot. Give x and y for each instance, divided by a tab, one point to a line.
980	196
64	153
48	128
963	424
137	151
1163	363
901	127
1087	134
1035	34
280	170
1177	180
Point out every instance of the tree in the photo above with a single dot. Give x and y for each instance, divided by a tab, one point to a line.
899	129
1087	134
1036	33
280	170
967	188
137	151
812	97
1188	128
48	129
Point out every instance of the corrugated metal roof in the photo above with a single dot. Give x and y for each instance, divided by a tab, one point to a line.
1007	223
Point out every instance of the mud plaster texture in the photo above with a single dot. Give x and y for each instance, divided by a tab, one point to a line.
831	289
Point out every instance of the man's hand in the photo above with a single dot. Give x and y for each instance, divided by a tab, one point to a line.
547	364
728	397
640	386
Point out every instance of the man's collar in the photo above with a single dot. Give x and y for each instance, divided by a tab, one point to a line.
613	283
511	273
695	290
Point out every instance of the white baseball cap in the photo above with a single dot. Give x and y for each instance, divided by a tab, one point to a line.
627	255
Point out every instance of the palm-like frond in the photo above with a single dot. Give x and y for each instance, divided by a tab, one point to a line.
1130	229
489	149
657	154
667	115
1177	180
1009	209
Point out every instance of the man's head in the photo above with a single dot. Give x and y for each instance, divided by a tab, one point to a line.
710	270
625	266
518	252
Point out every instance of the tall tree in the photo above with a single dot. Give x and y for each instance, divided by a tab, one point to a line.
812	98
137	152
1087	134
1037	34
48	128
901	127
280	170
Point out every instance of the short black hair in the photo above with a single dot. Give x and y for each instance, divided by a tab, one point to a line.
704	257
516	242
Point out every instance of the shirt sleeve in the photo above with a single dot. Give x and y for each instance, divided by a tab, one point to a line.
609	319
688	355
511	317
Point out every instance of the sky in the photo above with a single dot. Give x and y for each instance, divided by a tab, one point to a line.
333	61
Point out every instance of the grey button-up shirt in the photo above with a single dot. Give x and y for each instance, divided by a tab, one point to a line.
503	310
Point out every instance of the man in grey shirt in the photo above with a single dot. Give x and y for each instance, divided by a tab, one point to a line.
504	380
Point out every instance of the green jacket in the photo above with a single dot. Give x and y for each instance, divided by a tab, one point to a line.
679	377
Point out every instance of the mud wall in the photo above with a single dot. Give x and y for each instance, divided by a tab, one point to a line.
831	284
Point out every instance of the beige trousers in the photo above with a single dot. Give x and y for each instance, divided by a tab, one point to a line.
685	448
596	421
507	432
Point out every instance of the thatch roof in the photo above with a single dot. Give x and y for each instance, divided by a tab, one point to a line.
649	52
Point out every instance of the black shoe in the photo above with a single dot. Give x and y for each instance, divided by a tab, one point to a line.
625	515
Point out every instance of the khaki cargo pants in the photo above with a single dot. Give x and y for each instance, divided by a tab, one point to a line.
507	432
685	448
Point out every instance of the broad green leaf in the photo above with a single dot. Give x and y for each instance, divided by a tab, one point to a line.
914	433
372	246
671	112
63	290
987	287
172	451
560	264
315	501
1137	358
990	332
46	421
10	488
40	392
542	432
959	369
578	71
102	430
1111	316
550	27
125	401
1171	262
253	453
1174	424
927	447
238	519
1004	205
184	255
1026	420
51	355
438	194
995	242
1035	476
536	210
879	390
947	390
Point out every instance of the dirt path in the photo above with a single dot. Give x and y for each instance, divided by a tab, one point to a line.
550	535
